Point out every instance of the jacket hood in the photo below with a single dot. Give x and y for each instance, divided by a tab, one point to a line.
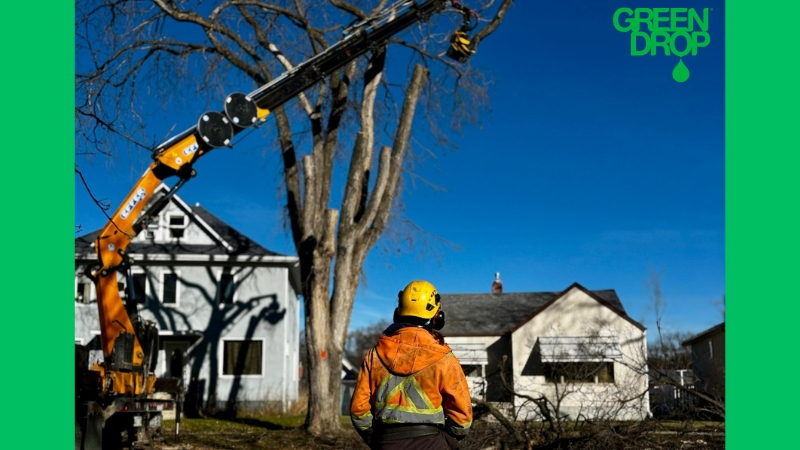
405	349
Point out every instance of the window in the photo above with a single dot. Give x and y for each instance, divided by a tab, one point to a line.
472	356
140	287
169	288
242	358
710	349
152	226
579	372
83	291
472	370
177	224
227	287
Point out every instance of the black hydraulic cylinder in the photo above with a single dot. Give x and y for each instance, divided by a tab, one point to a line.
305	75
363	39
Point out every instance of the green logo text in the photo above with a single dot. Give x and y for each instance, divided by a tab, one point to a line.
676	31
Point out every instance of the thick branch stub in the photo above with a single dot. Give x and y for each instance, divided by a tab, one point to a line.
329	238
403	132
309	197
384	169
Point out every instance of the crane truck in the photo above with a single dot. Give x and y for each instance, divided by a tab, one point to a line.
116	401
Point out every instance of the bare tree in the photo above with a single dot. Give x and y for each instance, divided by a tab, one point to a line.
362	339
668	358
720	305
130	52
669	352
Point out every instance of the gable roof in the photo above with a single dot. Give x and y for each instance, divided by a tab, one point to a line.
703	334
489	314
349	371
227	240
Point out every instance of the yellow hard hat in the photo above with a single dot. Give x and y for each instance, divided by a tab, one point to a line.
418	299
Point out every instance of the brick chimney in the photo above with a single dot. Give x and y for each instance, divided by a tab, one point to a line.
497	285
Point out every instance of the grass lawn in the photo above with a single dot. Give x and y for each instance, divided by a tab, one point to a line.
285	432
257	432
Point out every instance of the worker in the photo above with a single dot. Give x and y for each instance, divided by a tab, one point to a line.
411	392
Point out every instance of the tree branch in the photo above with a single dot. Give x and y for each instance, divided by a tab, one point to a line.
291	176
210	27
309	198
518	438
493	24
103	206
324	151
349	8
361	161
418	78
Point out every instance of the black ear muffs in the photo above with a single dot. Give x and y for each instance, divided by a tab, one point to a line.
437	323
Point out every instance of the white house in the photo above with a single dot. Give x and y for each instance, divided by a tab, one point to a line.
226	307
577	348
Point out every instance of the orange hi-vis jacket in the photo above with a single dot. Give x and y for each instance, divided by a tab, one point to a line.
411	377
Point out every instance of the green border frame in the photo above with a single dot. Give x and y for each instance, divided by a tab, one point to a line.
761	101
38	224
762	97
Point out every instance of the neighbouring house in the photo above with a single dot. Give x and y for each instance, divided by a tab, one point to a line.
708	361
349	378
227	308
577	348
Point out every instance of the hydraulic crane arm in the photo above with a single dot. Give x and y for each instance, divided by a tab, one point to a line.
126	342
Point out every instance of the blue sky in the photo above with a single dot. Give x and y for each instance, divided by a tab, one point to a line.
593	166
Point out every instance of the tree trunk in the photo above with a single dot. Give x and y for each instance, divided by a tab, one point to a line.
362	221
323	413
322	403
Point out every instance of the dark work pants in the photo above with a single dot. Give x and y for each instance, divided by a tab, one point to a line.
441	441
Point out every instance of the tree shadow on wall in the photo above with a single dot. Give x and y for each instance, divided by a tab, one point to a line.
221	317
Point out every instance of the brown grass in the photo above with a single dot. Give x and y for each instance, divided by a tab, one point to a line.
284	432
251	432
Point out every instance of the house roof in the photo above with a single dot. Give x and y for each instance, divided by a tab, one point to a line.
489	314
227	240
703	334
239	243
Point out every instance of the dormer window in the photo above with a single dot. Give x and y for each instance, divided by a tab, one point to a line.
152	227
177	224
83	290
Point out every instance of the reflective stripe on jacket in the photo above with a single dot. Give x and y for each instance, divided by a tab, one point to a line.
411	377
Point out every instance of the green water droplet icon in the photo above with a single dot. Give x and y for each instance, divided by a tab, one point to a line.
680	73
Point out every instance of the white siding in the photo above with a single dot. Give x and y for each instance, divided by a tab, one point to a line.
265	310
577	314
